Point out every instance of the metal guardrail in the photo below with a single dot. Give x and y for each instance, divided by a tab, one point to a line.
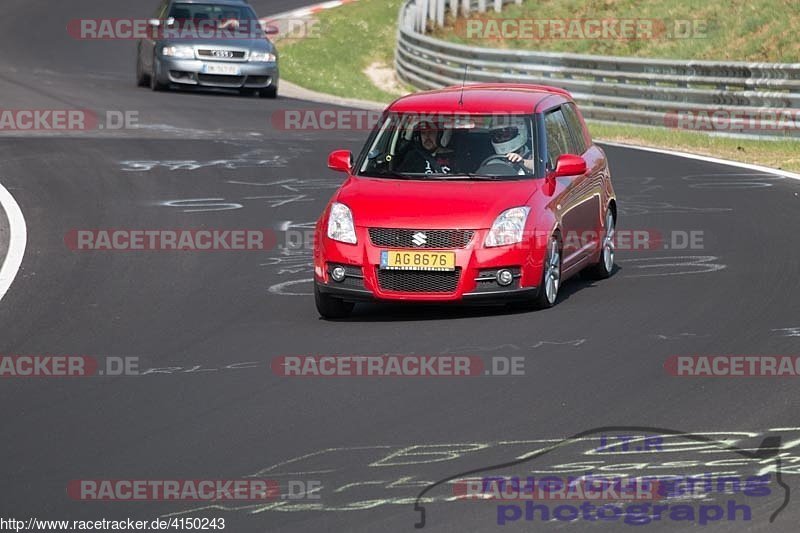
740	97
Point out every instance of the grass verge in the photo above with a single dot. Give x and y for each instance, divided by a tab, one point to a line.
349	39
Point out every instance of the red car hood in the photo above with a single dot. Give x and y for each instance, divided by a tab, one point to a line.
431	204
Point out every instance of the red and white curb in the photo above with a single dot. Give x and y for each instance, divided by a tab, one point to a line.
306	11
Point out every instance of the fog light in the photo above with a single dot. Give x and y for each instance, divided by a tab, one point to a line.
505	277
338	274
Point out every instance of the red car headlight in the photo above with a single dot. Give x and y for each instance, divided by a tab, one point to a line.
340	224
508	228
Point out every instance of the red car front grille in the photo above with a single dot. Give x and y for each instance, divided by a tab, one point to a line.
418	281
433	238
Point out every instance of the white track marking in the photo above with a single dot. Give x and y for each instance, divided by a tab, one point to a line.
702	261
17	240
707	159
282	288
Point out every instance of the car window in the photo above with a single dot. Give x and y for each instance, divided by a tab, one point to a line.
559	141
410	144
385	142
576	128
215	12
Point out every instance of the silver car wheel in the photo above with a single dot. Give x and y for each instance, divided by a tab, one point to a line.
608	242
552	278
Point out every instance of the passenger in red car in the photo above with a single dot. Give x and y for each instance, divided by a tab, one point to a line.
511	140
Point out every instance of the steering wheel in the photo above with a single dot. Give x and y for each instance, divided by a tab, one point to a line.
498	159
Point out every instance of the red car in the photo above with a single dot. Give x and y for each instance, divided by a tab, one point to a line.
487	193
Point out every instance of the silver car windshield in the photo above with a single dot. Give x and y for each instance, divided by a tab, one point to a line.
218	13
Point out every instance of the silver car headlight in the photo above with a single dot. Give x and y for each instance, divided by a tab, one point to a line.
181	52
265	57
508	228
340	224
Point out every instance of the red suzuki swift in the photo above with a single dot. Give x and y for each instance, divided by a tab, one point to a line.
486	193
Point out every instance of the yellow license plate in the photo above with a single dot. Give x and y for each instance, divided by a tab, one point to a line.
410	260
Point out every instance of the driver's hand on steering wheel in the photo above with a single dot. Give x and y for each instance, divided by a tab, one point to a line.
514	157
517	159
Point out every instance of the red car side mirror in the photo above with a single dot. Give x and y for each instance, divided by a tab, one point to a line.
342	161
570	165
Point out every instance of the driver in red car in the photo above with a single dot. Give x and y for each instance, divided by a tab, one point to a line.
428	155
511	140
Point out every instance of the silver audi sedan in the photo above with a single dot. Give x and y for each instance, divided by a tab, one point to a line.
218	43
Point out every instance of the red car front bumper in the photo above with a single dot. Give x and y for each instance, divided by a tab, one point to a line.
473	279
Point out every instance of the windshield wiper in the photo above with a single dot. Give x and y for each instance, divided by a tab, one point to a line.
466	176
442	177
395	175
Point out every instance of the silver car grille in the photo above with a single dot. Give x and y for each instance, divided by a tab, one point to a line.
220	54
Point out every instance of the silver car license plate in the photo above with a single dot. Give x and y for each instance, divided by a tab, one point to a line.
228	70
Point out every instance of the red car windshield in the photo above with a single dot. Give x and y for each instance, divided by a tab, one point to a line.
450	147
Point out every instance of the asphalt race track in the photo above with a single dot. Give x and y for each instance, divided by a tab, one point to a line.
205	326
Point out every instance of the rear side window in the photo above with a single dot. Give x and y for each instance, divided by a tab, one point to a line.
576	127
559	141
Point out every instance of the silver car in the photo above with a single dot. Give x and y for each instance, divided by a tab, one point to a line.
218	43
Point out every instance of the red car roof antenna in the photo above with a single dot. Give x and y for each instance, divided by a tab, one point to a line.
463	82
